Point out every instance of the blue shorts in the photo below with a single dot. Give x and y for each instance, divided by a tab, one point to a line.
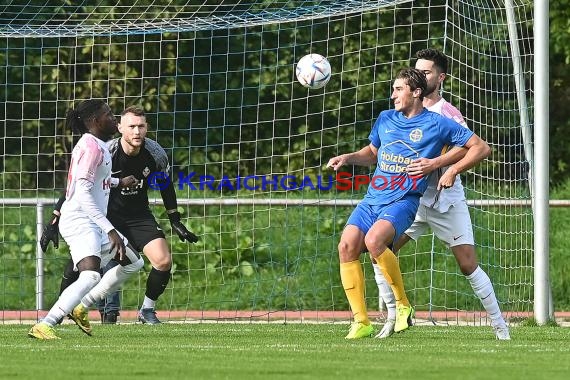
400	213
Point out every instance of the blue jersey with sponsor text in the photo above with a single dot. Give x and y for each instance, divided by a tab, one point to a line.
399	141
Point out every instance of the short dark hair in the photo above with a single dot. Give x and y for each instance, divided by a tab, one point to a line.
414	78
135	110
437	57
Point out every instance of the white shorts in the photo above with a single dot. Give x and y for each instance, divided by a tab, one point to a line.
87	239
453	227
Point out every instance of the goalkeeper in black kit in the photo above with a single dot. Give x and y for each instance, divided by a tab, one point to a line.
135	155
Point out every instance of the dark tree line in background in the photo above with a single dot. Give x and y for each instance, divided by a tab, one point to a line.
559	91
222	100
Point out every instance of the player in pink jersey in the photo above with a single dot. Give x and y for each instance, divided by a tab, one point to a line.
443	210
92	239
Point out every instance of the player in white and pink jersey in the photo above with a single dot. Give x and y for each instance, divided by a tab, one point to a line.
90	167
444	210
92	239
433	197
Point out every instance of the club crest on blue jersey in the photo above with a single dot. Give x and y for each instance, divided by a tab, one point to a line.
416	135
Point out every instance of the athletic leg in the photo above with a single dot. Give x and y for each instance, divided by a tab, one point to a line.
352	278
454	228
69	275
160	258
110	305
115	277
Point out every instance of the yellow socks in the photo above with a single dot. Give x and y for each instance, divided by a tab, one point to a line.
353	283
352	279
390	267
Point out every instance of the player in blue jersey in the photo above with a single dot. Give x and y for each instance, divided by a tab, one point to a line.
398	137
444	212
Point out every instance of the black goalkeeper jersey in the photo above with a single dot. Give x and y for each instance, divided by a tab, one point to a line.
132	202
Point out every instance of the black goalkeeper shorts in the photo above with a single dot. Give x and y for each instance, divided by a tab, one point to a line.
140	230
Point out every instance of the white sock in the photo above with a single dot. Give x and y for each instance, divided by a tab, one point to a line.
385	292
483	289
111	282
71	296
148	303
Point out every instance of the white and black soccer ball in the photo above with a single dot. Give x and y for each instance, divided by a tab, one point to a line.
313	71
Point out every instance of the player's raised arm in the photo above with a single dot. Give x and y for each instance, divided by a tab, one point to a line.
477	151
364	157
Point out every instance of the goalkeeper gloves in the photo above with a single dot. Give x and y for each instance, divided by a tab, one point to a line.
180	229
51	232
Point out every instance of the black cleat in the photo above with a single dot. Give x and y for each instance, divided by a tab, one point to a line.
109	317
148	316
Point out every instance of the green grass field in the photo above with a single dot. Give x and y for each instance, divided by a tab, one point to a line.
270	350
283	351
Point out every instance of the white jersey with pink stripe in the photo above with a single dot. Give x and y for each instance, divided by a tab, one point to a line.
441	201
90	161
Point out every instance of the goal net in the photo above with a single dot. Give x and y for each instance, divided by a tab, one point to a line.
248	145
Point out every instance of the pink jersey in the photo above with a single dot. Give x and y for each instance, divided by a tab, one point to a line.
90	161
450	196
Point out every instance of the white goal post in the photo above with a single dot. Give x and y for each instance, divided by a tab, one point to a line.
217	81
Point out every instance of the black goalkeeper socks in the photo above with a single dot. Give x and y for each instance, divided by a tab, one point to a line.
69	276
156	283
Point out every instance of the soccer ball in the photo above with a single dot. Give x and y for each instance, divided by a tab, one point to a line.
313	71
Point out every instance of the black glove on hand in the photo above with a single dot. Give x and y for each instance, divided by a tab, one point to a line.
50	233
181	229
